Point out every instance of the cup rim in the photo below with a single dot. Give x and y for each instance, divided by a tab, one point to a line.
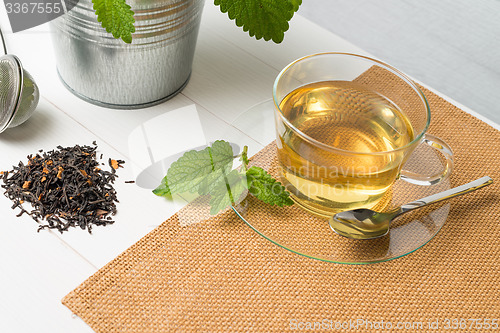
392	69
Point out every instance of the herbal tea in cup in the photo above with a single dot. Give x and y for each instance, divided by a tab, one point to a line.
346	124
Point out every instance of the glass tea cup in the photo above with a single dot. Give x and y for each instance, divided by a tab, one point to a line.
346	124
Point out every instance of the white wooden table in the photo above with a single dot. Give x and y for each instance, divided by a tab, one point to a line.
231	73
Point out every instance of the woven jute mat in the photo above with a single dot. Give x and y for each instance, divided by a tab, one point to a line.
219	275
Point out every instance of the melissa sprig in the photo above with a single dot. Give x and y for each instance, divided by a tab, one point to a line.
209	172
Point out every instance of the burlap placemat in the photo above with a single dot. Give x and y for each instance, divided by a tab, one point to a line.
219	275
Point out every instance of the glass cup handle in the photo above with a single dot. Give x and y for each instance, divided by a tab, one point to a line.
444	149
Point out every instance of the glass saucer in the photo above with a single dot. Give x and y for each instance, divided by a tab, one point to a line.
300	232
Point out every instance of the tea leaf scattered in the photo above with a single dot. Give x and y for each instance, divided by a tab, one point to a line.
65	188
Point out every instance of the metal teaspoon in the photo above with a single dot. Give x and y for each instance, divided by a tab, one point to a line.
365	223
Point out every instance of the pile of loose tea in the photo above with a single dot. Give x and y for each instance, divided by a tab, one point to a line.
66	188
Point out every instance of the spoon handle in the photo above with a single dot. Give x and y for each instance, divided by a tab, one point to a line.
451	193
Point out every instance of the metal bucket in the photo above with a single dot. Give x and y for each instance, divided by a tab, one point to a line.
108	72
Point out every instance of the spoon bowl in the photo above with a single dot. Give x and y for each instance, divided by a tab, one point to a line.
363	223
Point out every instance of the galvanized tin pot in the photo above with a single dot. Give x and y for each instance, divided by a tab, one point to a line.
105	71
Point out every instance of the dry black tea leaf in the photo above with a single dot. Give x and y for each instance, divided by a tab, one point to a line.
65	188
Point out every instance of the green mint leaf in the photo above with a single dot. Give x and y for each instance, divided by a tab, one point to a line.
198	171
162	189
222	155
264	187
296	4
228	192
116	17
210	182
266	19
208	172
185	174
222	161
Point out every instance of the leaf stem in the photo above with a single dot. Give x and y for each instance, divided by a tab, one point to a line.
211	158
244	158
228	188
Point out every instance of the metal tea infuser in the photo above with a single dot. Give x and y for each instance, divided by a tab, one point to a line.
18	91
